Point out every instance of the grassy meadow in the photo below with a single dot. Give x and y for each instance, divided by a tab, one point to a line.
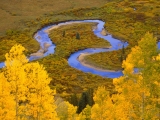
14	13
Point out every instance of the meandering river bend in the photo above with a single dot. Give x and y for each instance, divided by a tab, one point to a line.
43	38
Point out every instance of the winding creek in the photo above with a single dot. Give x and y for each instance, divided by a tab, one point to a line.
43	38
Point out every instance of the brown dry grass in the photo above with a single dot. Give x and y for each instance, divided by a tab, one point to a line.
14	12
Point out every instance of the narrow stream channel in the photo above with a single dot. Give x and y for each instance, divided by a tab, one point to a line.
43	38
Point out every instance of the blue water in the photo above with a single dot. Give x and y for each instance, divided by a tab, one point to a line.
115	43
42	37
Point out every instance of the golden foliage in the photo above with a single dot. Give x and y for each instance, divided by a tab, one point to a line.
26	87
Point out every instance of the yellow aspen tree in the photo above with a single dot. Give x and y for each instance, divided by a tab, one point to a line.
66	111
149	71
121	108
137	88
14	74
148	45
61	108
40	105
128	101
29	87
86	113
71	111
103	108
7	104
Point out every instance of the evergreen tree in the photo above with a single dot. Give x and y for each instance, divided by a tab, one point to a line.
64	33
74	100
77	36
89	94
82	102
123	51
122	57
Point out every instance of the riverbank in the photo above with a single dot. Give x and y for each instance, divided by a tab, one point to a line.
60	25
82	60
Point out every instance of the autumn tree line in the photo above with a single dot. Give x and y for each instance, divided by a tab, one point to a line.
25	93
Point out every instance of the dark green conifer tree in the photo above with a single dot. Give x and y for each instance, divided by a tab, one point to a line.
86	98
77	36
74	100
64	33
123	52
90	100
82	103
122	57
